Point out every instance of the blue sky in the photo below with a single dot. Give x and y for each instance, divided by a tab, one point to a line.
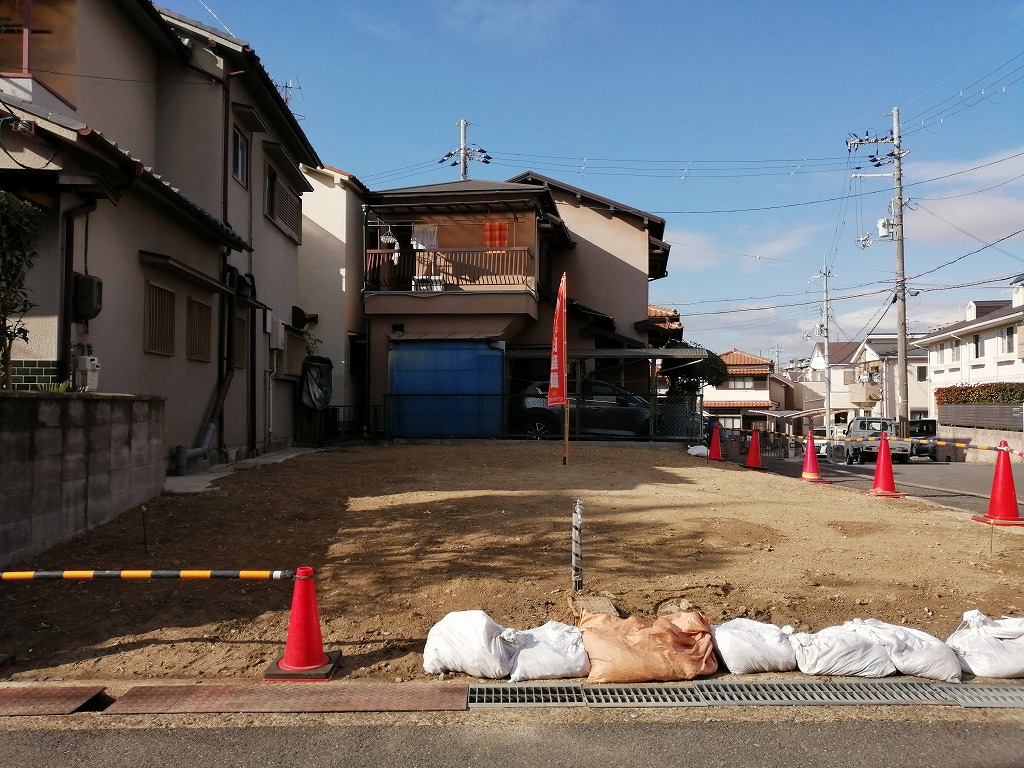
728	119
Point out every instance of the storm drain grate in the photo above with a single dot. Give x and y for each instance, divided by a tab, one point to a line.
526	696
888	692
984	695
801	692
766	693
643	696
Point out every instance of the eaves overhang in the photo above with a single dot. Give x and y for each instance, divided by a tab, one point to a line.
124	172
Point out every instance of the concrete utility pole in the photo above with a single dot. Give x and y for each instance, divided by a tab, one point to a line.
825	274
903	397
896	234
465	153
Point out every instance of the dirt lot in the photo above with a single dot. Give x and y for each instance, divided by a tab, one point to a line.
398	535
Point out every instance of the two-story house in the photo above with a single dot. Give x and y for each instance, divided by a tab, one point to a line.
752	388
459	283
875	385
166	163
984	347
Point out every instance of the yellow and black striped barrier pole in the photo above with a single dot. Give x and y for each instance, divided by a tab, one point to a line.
137	575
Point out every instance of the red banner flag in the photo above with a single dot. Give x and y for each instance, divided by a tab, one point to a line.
556	385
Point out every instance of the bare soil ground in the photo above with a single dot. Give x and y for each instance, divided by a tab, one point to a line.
399	535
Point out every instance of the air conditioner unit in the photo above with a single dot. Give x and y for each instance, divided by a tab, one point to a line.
428	283
862	378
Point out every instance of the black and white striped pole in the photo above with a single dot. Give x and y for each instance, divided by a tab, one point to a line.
577	545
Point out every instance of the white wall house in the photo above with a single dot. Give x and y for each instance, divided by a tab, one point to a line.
984	347
875	387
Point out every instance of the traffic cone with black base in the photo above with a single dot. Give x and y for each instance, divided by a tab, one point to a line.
754	453
811	473
885	483
1002	504
715	451
303	657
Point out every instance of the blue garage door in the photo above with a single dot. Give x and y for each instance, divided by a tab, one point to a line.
446	388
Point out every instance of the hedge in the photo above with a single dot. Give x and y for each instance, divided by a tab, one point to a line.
999	393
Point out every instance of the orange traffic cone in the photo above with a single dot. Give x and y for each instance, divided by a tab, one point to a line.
304	657
754	453
884	484
715	452
1002	504
811	472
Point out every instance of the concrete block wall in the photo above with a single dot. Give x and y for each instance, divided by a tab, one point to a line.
70	462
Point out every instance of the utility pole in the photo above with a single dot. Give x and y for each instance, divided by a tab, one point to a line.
465	153
895	233
826	310
903	398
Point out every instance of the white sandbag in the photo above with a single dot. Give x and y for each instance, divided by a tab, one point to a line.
698	450
912	651
747	646
989	647
551	651
841	652
470	642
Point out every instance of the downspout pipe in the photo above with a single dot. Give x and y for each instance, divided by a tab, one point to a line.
70	215
183	454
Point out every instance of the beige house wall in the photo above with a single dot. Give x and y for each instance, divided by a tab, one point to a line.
330	275
607	271
118	98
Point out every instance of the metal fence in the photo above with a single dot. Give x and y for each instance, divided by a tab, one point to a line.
527	416
1006	417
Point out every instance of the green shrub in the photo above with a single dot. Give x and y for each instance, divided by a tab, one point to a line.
996	393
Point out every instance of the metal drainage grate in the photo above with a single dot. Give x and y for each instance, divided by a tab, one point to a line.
526	696
800	692
888	692
984	695
643	696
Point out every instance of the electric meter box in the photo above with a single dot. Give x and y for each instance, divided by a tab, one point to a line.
88	296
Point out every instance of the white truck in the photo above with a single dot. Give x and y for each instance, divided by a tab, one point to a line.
864	435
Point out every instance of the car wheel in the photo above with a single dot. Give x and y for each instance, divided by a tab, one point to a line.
861	458
539	427
902	458
849	457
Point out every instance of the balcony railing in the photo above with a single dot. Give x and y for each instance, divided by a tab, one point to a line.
450	269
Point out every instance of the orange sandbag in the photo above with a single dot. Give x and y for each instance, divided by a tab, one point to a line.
674	647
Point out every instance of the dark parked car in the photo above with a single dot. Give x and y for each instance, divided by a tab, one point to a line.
923	429
601	409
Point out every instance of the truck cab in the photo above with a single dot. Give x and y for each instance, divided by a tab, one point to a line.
864	435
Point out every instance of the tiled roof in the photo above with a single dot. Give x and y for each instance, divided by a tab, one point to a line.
736	357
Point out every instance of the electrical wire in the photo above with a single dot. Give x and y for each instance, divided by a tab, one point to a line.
964	231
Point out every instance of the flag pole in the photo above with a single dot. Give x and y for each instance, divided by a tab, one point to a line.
557	389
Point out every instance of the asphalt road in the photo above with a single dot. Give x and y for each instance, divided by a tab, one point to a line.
530	745
952	484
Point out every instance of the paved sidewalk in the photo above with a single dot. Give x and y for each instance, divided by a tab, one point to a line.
202	481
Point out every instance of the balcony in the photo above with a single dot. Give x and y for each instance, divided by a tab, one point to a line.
450	270
865	395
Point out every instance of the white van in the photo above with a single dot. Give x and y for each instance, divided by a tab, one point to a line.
869	429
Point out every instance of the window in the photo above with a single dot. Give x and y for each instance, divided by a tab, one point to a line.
739	382
922	373
978	346
197	331
1007	343
240	158
940	353
283	205
954	348
158	323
